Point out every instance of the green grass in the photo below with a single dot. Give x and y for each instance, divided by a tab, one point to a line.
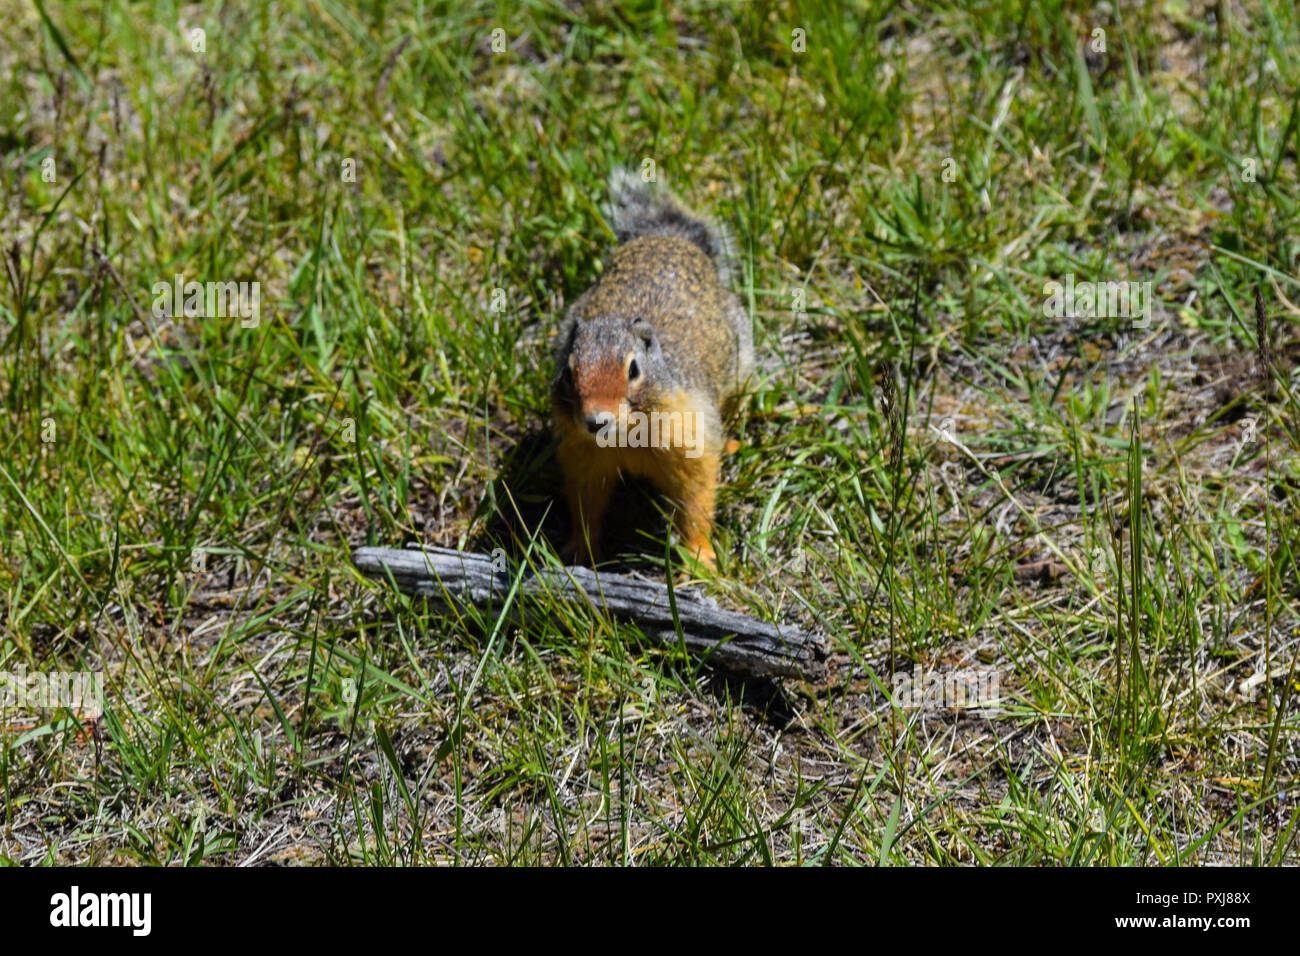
933	471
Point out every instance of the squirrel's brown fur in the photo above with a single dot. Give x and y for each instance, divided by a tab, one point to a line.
658	336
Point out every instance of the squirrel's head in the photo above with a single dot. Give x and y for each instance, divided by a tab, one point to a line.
608	363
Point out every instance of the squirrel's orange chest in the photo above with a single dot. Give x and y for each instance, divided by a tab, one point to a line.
659	464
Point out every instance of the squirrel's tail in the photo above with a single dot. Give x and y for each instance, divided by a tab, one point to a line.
638	208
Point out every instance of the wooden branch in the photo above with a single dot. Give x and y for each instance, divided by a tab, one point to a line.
725	640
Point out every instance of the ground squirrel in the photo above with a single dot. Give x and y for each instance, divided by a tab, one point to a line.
650	362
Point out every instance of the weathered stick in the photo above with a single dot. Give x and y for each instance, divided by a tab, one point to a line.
726	640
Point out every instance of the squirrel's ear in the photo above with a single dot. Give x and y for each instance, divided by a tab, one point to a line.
644	331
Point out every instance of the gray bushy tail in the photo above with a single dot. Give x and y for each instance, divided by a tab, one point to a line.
638	208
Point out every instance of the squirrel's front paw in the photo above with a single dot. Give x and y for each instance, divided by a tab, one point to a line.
699	549
576	552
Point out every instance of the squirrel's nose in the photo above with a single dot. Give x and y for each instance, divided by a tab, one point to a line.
598	420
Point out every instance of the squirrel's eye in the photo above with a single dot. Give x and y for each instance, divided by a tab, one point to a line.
633	371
